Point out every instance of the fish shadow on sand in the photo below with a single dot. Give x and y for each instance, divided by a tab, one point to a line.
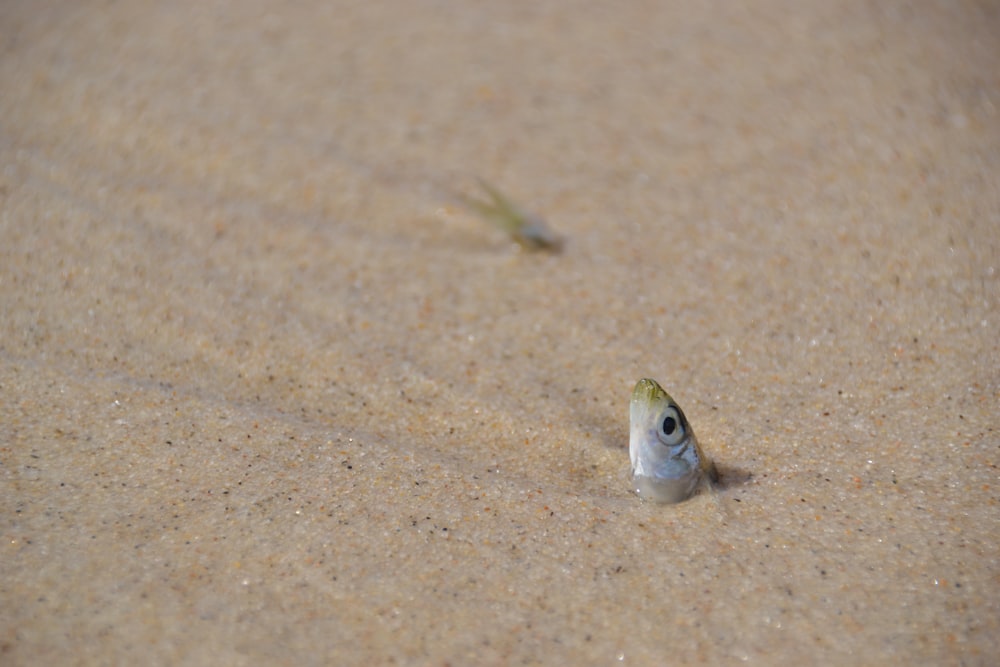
731	477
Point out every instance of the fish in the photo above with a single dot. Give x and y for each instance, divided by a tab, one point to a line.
528	230
668	465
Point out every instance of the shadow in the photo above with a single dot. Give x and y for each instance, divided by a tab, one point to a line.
731	477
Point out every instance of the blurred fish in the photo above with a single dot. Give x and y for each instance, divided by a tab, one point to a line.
528	230
667	463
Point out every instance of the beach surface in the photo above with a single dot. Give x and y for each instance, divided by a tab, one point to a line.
270	394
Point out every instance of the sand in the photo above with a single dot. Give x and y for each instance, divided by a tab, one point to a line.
270	396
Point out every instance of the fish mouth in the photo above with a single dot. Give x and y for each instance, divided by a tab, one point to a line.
645	390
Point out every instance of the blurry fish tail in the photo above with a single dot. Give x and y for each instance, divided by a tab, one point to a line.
526	229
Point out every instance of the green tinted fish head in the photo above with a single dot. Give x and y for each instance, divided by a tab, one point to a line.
667	464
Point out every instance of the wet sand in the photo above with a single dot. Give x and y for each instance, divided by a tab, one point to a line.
269	396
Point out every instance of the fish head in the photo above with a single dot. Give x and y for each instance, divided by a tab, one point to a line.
667	464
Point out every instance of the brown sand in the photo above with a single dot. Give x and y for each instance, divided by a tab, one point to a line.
269	397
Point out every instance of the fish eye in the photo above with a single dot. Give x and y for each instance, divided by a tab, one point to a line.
670	429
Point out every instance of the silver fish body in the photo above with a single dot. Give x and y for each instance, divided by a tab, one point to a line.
668	466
